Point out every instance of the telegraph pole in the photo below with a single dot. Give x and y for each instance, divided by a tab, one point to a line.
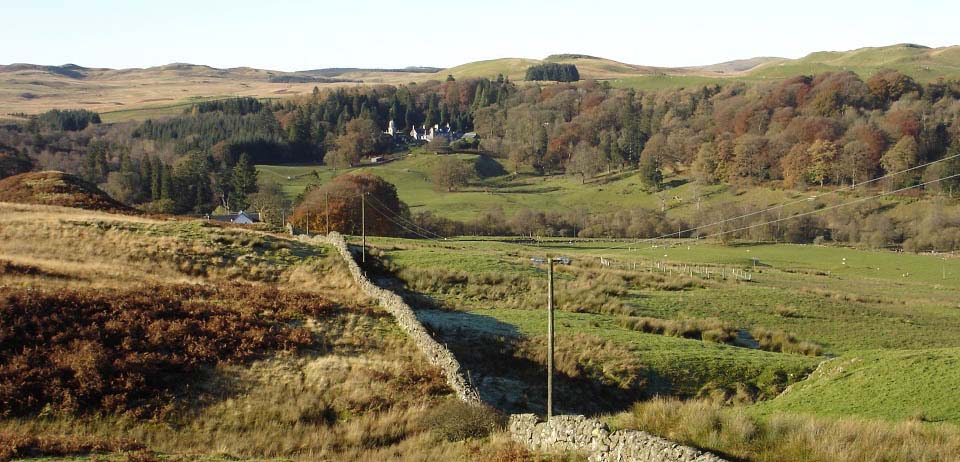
326	206
550	339
363	223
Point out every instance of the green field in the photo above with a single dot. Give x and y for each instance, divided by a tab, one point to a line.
921	63
606	194
889	320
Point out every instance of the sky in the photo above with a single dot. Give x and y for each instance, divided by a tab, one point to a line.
301	35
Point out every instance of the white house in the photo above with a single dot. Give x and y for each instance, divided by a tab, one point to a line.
240	218
422	134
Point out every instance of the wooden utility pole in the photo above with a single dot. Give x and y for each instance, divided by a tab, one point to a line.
550	338
326	206
363	224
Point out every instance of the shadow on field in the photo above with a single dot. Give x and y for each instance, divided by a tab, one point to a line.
500	365
509	369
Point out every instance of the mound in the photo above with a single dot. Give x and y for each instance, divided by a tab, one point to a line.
893	385
58	188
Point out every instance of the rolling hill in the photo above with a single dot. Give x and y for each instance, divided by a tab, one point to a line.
57	188
122	94
922	63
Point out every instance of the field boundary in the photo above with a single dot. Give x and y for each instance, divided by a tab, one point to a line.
582	434
562	433
437	354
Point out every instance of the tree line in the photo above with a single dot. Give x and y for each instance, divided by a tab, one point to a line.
834	128
554	72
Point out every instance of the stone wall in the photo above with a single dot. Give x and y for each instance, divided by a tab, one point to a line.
594	438
562	433
437	354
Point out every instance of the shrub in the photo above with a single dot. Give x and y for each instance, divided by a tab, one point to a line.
454	420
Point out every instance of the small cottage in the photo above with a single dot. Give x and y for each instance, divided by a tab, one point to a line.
240	218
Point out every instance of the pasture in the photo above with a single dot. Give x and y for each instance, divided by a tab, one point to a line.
511	192
893	315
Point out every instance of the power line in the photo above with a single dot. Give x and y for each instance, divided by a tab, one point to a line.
679	233
409	222
401	224
782	219
832	207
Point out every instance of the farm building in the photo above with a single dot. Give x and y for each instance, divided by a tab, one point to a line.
240	218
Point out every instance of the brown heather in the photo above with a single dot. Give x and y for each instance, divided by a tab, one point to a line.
198	341
75	351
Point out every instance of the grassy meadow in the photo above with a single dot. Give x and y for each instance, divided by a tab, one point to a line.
885	322
510	192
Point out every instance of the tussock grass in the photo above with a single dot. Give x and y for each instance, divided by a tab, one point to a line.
708	330
736	433
784	342
18	446
586	289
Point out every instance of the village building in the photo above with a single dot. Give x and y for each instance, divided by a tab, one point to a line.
239	218
424	134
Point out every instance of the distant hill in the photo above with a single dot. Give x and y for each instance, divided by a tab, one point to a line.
122	94
922	63
738	65
338	71
57	188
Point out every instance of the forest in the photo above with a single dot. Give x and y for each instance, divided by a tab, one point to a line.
834	128
554	72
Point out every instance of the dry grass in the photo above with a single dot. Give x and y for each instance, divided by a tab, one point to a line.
359	391
708	330
57	188
792	438
587	287
17	446
94	249
125	91
371	396
785	342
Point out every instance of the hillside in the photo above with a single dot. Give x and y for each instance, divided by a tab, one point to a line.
57	188
900	385
148	339
154	91
122	94
922	63
510	194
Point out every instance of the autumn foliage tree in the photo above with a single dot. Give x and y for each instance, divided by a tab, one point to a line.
341	198
359	140
452	173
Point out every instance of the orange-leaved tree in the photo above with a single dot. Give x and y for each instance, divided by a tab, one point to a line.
341	199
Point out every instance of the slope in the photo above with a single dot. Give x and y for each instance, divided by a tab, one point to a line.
180	316
57	188
889	385
922	63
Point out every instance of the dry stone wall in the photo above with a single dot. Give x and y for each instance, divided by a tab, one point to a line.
593	437
437	354
562	433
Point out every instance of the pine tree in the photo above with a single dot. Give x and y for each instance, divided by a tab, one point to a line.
146	177
244	180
